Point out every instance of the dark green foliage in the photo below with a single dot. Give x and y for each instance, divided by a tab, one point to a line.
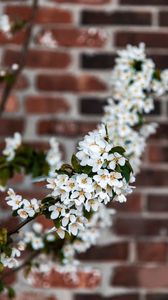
26	159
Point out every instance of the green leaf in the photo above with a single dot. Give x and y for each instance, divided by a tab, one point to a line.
57	223
86	169
1	267
3	236
117	149
126	170
157	74
75	163
10	78
66	168
1	287
11	292
137	65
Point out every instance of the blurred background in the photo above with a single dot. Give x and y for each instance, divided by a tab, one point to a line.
61	93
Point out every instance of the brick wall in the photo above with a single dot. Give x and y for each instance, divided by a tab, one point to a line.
61	92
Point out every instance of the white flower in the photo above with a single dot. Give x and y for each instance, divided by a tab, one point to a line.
114	179
5	24
97	164
84	182
52	183
31	207
2	188
50	237
48	40
55	210
22	213
75	226
92	204
61	232
68	218
37	227
54	157
120	198
12	144
37	243
13	200
116	159
10	261
102	178
80	196
70	185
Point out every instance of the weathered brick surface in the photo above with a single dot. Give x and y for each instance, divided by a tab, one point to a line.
55	279
61	93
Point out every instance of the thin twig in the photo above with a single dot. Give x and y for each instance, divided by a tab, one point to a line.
19	226
23	56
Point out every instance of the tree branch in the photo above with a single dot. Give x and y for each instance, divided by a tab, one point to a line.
19	226
23	56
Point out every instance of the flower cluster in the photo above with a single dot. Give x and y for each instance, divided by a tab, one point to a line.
37	237
134	79
9	258
22	207
17	157
100	170
99	173
135	82
12	144
40	239
5	24
54	156
47	39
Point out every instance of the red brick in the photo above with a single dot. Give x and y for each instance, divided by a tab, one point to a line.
138	226
75	37
88	2
152	178
10	278
160	59
9	223
38	193
151	39
16	39
98	61
70	83
90	279
9	126
153	277
21	83
124	296
144	2
12	104
161	132
163	18
152	251
39	59
44	15
158	153
44	105
157	203
64	128
17	179
31	295
91	17
133	204
157	296
111	252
